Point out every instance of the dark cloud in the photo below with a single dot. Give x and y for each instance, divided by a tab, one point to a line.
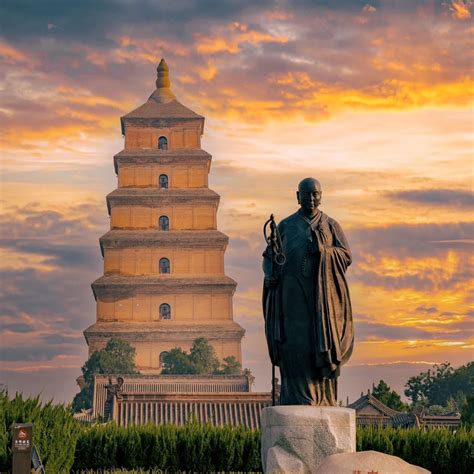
436	197
59	238
31	222
367	328
53	304
94	20
26	352
58	338
427	309
366	331
58	299
18	327
410	240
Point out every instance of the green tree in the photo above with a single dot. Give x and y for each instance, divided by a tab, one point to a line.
177	362
391	398
118	357
441	383
467	411
201	360
230	366
203	357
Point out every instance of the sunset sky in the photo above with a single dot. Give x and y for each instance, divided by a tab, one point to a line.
373	99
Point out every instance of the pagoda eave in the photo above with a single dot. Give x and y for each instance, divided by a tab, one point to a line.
164	330
152	197
120	239
119	286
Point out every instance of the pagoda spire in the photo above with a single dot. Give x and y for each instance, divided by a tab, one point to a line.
163	92
163	75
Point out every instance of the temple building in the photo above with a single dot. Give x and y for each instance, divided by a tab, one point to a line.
164	283
372	412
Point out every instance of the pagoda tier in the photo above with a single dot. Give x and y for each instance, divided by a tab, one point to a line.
118	239
154	157
117	286
150	197
164	281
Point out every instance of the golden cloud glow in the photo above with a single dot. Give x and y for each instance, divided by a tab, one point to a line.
301	96
11	55
231	39
22	261
439	269
460	9
209	72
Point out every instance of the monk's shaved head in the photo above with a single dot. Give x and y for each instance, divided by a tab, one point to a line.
309	184
309	196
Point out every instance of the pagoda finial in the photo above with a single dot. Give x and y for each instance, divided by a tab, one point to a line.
163	78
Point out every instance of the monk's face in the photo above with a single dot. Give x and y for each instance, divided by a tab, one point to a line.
309	196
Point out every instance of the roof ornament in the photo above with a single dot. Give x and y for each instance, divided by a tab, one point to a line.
163	93
163	75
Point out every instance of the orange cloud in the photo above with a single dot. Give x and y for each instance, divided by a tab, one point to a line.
441	269
299	95
460	9
11	55
369	8
278	15
230	39
208	72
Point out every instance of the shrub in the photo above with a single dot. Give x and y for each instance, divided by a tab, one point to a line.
192	447
441	451
206	448
55	432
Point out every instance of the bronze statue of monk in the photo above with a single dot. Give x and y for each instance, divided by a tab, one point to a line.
307	308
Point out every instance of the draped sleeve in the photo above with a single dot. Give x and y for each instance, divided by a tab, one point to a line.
334	332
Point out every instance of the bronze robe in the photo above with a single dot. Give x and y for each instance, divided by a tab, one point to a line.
308	316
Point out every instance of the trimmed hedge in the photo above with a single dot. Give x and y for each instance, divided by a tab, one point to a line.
55	431
192	447
205	448
442	451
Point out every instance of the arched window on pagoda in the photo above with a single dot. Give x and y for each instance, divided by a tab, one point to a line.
164	265
163	143
162	359
163	181
165	311
164	223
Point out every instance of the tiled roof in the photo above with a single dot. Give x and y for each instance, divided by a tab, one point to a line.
150	385
371	400
219	409
154	109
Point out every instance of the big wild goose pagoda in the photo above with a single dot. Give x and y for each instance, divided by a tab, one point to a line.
164	283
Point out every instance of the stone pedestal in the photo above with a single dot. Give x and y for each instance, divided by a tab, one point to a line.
367	461
296	439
